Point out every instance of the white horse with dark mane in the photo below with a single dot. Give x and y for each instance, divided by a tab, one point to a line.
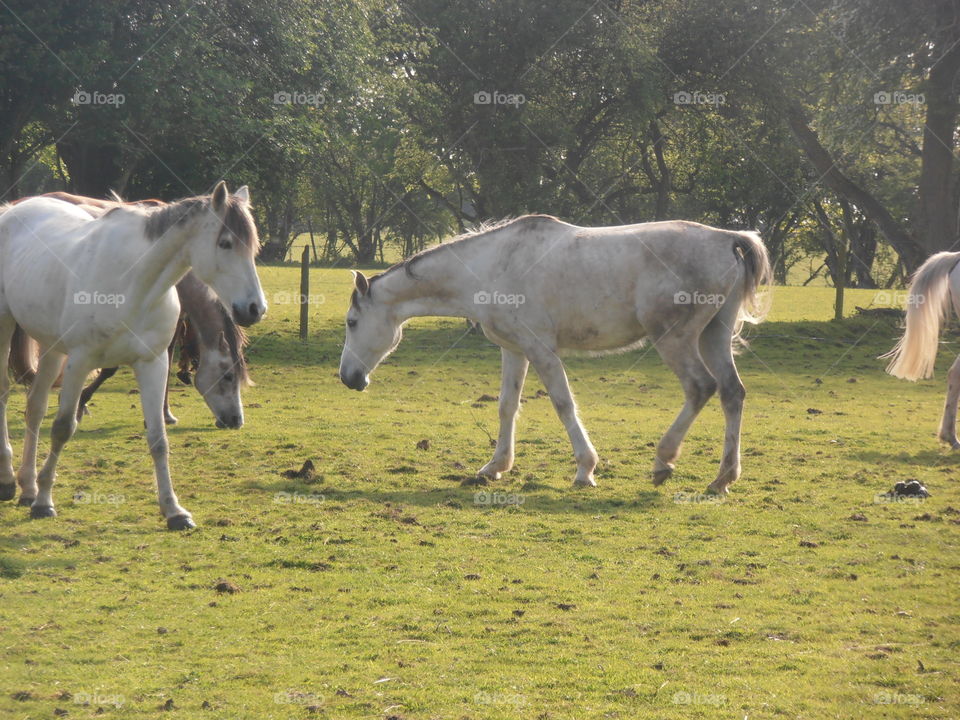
99	293
935	287
540	287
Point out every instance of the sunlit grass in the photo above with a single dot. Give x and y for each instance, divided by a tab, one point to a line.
384	587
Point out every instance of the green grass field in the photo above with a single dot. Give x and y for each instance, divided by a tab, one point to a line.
385	587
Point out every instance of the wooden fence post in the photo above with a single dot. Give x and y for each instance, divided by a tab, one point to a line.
312	244
304	291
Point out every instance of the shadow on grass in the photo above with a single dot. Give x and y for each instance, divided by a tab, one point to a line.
868	337
540	497
931	457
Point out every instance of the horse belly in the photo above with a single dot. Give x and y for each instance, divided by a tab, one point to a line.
600	332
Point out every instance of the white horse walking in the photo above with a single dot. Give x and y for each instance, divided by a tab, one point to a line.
540	287
100	293
934	287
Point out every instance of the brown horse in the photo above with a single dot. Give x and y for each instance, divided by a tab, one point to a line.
211	343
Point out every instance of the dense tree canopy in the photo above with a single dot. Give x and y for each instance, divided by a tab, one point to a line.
828	126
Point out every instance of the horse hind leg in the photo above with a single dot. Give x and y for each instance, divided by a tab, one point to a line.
64	425
948	425
680	352
717	351
102	376
8	485
168	417
48	367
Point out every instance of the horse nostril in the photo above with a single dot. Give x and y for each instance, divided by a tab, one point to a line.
254	310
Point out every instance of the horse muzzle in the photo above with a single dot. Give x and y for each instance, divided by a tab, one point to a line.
230	421
355	381
248	314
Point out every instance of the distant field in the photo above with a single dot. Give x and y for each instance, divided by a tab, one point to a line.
384	587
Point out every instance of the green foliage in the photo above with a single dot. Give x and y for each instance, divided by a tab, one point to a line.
386	125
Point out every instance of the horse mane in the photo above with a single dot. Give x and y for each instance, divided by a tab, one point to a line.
236	341
161	217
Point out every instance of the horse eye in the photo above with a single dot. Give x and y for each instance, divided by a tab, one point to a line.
228	377
225	244
351	323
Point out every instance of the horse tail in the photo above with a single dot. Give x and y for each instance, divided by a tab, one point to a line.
928	302
754	304
23	357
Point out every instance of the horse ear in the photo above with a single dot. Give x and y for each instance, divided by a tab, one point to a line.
220	195
361	282
243	194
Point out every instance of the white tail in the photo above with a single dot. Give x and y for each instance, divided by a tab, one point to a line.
755	303
928	302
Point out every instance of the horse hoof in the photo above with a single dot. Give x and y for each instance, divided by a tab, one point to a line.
718	490
25	501
660	476
8	492
488	474
170	420
42	511
180	522
585	482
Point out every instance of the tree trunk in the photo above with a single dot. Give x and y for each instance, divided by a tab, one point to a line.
937	211
664	186
94	170
366	247
906	246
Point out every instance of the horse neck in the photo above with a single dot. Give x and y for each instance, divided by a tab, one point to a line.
203	309
165	262
437	285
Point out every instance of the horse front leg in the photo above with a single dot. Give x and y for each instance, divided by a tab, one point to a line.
551	372
948	426
152	377
64	425
513	373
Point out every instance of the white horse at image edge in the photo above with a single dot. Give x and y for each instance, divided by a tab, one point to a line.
540	287
935	287
98	293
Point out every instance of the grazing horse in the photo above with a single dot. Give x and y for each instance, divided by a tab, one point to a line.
934	288
211	348
99	292
540	287
211	342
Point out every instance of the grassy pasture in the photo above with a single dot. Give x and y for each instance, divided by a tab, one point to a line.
383	587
